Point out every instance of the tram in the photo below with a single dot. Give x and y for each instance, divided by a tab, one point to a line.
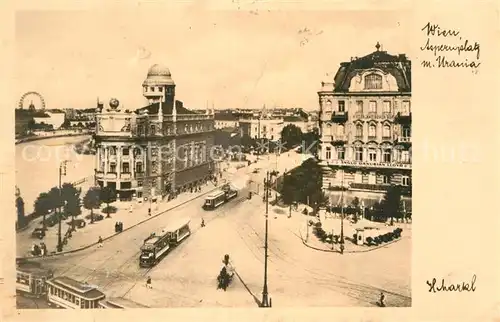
68	293
219	197
120	303
31	279
157	245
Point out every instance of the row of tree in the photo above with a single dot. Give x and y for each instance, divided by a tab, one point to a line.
68	199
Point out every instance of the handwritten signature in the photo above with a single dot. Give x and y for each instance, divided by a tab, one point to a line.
434	287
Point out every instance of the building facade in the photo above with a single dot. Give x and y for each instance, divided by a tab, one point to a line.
226	120
158	150
365	123
261	128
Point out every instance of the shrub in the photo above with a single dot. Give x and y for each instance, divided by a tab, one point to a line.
109	209
318	225
369	241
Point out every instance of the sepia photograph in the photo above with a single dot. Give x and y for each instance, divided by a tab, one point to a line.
230	159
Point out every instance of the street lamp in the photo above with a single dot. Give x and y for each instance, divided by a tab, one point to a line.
62	172
265	294
342	214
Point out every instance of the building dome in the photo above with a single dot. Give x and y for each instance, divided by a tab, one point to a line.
159	70
158	75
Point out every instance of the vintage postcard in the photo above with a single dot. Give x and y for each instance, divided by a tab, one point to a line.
252	161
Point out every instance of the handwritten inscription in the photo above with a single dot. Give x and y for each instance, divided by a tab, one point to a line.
449	48
442	286
306	35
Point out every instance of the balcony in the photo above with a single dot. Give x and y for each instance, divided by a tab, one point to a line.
139	175
358	137
372	137
326	138
110	176
403	117
370	164
402	139
369	186
339	117
99	174
125	175
339	138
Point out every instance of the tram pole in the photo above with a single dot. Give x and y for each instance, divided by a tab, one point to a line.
265	302
62	166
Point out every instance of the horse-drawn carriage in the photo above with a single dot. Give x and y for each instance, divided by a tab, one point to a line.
226	274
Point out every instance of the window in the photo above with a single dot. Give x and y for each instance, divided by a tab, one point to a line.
137	151
359	154
372	131
406	132
161	89
145	88
139	183
387	131
138	167
385	179
386	154
373	81
125	151
359	130
406	107
405	156
387	106
328	153
328	105
125	167
405	180
341	106
153	130
372	155
340	153
359	107
152	89
112	151
153	167
373	107
112	167
340	130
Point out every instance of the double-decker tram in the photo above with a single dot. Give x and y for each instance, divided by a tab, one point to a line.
31	279
120	303
158	244
71	294
219	197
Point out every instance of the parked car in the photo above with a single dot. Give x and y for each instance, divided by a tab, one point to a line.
38	233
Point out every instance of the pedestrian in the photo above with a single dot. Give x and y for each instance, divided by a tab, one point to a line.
148	282
382	297
116	226
99	242
121	226
202	222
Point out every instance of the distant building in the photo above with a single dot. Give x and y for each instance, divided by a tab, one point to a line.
158	150
225	120
56	119
365	123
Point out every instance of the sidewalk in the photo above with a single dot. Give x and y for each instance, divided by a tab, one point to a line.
104	228
310	240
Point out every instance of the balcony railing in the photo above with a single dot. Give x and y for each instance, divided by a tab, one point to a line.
110	175
358	137
370	164
326	138
372	137
339	117
403	139
369	186
125	175
340	138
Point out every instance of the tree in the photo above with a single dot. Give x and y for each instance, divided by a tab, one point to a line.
71	197
391	204
55	198
43	204
108	195
291	136
311	139
92	201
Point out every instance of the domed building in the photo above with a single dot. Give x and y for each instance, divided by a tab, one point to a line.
365	123
159	150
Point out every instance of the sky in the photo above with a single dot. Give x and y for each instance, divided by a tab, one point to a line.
231	59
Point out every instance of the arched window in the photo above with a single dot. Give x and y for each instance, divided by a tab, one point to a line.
153	130
328	105
372	130
373	81
386	131
112	151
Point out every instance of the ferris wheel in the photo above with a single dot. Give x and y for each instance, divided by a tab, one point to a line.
32	100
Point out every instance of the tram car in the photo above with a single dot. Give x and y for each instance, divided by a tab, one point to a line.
120	303
219	197
31	279
157	245
68	293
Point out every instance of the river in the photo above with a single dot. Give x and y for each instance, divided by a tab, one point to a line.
37	166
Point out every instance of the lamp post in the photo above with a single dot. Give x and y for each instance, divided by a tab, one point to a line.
265	300
342	215
62	172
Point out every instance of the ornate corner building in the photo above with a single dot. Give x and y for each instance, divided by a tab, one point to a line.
158	150
365	123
